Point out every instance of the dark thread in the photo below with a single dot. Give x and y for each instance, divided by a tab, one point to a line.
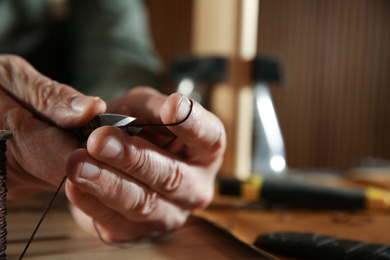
173	124
43	217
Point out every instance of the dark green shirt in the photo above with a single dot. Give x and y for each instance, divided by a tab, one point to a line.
100	47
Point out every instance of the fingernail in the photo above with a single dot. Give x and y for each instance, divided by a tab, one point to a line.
80	103
89	171
184	109
112	148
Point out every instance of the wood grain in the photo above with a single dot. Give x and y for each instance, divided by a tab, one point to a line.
334	110
60	238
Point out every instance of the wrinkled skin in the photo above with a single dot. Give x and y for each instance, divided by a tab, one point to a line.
131	187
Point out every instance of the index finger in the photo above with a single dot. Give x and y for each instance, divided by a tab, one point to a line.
45	97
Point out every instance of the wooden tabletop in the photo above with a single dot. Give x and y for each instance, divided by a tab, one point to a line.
60	238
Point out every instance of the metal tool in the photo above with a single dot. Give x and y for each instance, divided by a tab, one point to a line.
116	120
314	246
195	76
268	154
291	193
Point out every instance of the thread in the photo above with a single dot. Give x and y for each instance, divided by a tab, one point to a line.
43	217
172	124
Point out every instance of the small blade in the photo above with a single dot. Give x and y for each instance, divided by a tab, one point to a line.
114	120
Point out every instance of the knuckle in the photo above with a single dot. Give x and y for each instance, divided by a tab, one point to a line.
174	179
172	220
113	185
202	198
137	160
142	205
48	94
148	204
177	222
15	119
43	93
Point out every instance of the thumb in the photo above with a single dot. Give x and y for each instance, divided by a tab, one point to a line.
55	102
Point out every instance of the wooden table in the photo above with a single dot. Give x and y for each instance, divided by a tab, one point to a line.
60	238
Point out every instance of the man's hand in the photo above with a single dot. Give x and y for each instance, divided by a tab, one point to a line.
134	187
131	186
37	109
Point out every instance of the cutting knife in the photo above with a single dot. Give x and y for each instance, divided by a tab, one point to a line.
116	120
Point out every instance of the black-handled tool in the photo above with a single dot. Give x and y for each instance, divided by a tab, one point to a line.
315	246
294	194
194	75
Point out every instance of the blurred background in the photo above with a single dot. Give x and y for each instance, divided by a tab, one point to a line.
333	108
